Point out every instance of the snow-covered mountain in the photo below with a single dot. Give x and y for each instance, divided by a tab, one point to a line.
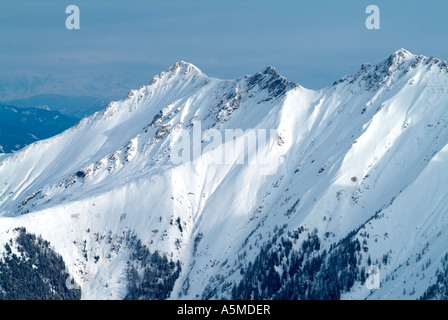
72	106
359	179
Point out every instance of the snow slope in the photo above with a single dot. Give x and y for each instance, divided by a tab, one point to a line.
367	153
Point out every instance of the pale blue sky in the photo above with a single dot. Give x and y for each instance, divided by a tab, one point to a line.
311	42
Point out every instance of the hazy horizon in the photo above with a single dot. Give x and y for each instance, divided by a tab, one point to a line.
121	46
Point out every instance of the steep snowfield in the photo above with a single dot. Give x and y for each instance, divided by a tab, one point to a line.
368	153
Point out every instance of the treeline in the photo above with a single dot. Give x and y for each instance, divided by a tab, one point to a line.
439	290
150	276
35	273
305	273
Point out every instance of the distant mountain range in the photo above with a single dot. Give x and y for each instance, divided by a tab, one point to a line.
25	121
72	106
15	86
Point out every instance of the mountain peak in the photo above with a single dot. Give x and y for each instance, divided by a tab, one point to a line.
403	52
185	66
179	69
270	70
269	78
399	57
374	75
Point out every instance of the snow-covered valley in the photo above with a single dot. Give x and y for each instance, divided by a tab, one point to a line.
358	166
